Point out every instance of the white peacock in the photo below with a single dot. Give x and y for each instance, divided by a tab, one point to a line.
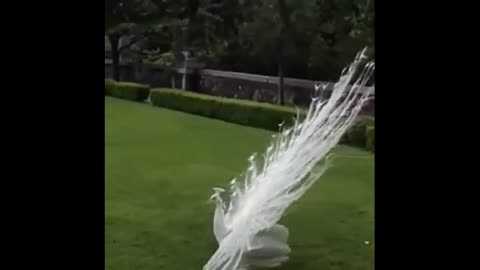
245	223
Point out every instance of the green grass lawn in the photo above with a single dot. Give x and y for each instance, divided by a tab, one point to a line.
161	165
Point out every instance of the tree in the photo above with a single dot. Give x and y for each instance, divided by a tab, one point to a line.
311	39
122	17
321	38
270	32
342	28
193	25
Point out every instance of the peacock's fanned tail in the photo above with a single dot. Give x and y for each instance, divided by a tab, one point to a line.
295	159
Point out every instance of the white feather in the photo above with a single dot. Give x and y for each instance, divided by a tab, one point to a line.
296	158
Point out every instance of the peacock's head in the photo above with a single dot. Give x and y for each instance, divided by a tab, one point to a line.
216	195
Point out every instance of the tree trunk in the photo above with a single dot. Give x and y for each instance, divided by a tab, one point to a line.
281	87
177	45
285	27
114	40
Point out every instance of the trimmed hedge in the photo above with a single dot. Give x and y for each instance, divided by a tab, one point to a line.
370	144
249	113
244	112
109	85
357	134
127	90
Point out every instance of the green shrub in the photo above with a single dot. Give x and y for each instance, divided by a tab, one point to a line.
109	85
357	134
244	112
370	144
127	90
133	91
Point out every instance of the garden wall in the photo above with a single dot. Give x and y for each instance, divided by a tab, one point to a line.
223	83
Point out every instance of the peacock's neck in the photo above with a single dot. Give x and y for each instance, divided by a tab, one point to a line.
219	227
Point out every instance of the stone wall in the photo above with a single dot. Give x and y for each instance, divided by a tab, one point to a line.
262	88
223	83
254	87
126	72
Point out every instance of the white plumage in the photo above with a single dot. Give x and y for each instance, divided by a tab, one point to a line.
297	157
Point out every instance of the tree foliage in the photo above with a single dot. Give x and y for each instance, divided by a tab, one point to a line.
315	38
